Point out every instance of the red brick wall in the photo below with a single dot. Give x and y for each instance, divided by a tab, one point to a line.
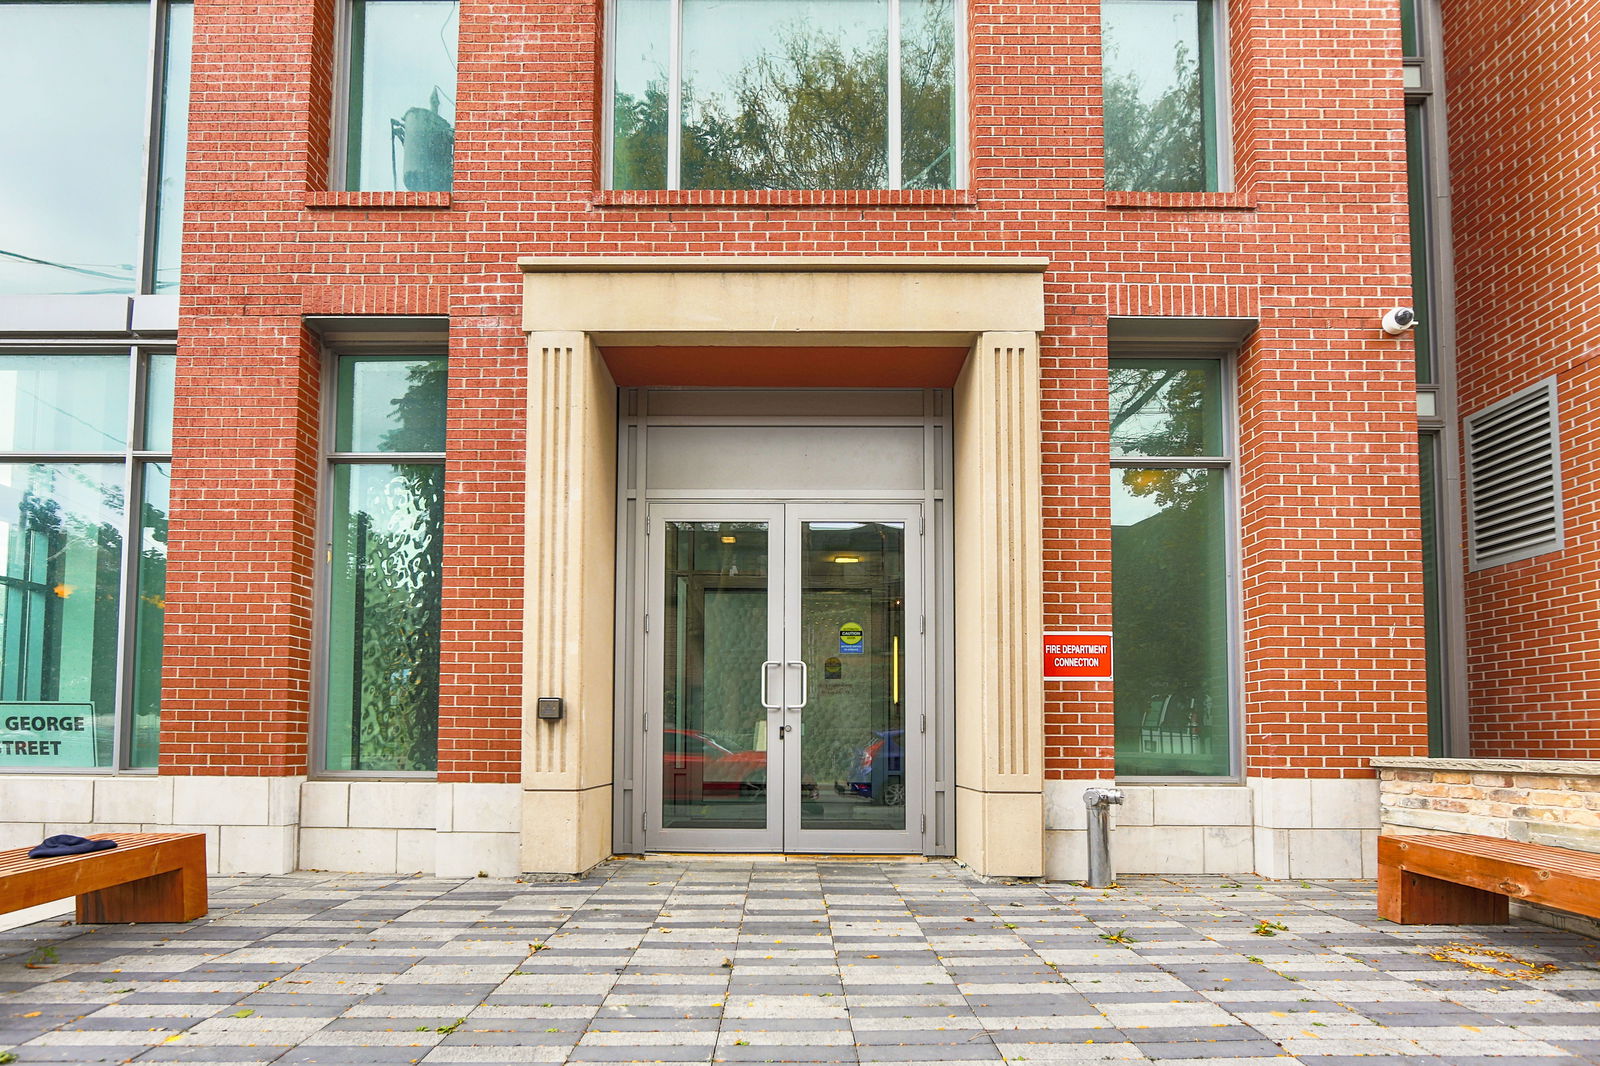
1313	242
1525	163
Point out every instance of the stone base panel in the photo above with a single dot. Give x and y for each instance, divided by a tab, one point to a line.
270	825
1275	827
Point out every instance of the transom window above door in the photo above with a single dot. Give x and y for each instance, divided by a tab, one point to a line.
784	94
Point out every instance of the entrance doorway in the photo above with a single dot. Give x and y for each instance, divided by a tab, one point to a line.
783	686
783	671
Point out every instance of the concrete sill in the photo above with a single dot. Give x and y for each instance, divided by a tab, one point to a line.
780	198
377	200
1180	201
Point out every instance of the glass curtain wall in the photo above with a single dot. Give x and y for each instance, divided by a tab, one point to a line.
400	125
784	94
101	119
386	558
84	474
1159	78
1171	611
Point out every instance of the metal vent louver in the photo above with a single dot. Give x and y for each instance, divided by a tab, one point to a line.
1514	478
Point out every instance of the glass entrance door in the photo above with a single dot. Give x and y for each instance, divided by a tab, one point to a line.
784	678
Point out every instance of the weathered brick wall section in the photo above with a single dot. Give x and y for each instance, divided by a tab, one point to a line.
1544	802
1523	85
241	552
1313	242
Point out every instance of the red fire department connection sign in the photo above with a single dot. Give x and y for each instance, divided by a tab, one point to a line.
1077	656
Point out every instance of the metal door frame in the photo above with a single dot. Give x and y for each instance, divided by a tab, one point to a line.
658	515
933	830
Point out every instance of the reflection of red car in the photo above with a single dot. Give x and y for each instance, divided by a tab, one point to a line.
697	767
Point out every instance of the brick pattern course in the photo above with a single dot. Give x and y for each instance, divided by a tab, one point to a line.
1523	87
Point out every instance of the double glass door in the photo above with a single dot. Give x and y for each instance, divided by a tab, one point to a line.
784	678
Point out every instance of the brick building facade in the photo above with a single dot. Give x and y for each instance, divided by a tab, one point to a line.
431	424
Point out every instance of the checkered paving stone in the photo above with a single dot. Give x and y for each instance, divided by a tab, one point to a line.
791	962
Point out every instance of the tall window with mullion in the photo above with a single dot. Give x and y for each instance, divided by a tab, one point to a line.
1169	571
104	173
400	121
387	557
784	94
82	573
1160	69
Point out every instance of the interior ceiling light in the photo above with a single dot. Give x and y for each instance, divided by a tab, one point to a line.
729	540
847	558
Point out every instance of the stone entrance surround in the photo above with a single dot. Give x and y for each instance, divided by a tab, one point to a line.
573	307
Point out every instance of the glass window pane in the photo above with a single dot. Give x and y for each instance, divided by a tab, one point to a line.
63	403
160	370
149	615
75	76
391	403
1169	607
785	94
1421	257
1167	407
854	766
639	94
1410	39
714	638
1159	95
402	95
383	634
927	94
1432	614
60	589
174	139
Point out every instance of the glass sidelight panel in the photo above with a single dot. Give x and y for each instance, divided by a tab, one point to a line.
714	642
853	755
1169	605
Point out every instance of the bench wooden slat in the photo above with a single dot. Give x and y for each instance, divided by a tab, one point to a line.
147	877
1469	880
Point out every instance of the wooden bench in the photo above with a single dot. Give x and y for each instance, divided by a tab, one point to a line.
1471	880
147	877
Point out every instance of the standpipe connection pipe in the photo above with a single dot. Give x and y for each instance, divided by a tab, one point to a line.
1099	801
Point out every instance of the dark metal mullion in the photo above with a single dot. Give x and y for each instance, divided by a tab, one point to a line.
155	72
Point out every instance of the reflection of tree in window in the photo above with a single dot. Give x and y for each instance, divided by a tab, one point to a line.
810	111
1168	557
1159	133
396	573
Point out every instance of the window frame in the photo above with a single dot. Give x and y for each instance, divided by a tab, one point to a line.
1220	93
134	458
961	103
1228	465
340	128
418	345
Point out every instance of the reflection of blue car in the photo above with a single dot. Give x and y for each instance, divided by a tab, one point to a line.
879	775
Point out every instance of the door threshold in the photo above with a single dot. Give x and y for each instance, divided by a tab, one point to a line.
772	856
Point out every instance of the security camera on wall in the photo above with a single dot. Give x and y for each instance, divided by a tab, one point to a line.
1399	319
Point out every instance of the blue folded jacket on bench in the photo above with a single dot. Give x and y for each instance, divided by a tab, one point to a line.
67	844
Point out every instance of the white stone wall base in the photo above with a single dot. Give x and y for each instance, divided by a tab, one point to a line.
1282	828
272	825
250	823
